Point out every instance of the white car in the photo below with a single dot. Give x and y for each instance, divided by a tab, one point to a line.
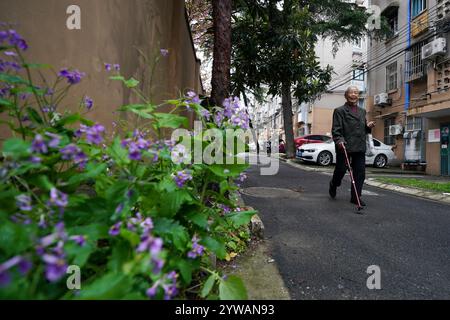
325	153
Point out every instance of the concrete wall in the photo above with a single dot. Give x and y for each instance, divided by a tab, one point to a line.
111	30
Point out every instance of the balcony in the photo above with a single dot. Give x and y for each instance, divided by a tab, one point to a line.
419	24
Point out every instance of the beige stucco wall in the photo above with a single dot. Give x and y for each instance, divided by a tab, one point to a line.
322	120
111	30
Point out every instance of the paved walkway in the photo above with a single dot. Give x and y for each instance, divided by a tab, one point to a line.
322	249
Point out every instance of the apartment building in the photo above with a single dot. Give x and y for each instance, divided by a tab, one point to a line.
409	81
348	63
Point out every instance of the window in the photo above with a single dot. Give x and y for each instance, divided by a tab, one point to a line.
417	6
357	45
413	123
388	139
358	74
391	76
391	16
376	143
414	63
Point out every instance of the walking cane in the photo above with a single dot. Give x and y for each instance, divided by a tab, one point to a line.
359	207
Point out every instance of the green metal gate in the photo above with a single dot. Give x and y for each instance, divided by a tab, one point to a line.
445	159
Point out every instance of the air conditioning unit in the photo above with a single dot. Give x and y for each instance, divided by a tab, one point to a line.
395	129
434	48
382	99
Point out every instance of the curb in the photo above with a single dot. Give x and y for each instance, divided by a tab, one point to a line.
256	267
434	196
410	191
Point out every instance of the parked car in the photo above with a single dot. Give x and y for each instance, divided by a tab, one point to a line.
325	153
310	138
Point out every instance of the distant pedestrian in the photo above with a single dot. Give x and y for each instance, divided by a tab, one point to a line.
269	147
350	127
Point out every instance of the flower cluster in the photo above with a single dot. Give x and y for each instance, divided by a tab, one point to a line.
109	66
24	265
23	202
181	177
197	249
135	146
93	133
13	38
40	145
72	152
88	102
180	155
73	77
168	283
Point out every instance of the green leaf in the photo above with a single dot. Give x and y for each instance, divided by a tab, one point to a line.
173	230
215	246
4	102
78	255
120	78
208	286
69	119
16	148
14	238
132	237
167	120
118	154
92	171
34	115
227	170
170	203
198	218
186	270
232	289
141	110
109	286
12	79
37	65
241	218
121	253
131	83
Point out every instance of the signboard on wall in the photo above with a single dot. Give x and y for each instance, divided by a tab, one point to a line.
434	135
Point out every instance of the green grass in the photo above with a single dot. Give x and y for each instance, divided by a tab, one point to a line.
418	183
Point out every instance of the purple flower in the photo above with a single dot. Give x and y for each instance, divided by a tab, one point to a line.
58	198
5	279
23	202
193	97
88	102
117	67
108	67
10	53
56	266
242	177
206	114
48	109
151	292
115	229
93	134
133	152
16	40
25	266
218	118
119	208
38	145
21	218
197	249
151	244
181	177
73	77
164	52
55	139
158	264
69	151
79	239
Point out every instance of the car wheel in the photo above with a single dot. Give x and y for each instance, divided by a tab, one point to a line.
380	161
324	158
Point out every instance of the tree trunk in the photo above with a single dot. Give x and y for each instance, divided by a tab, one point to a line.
220	81
286	103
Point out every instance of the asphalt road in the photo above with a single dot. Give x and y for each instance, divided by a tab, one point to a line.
323	248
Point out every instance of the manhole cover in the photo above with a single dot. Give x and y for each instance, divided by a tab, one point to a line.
264	192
